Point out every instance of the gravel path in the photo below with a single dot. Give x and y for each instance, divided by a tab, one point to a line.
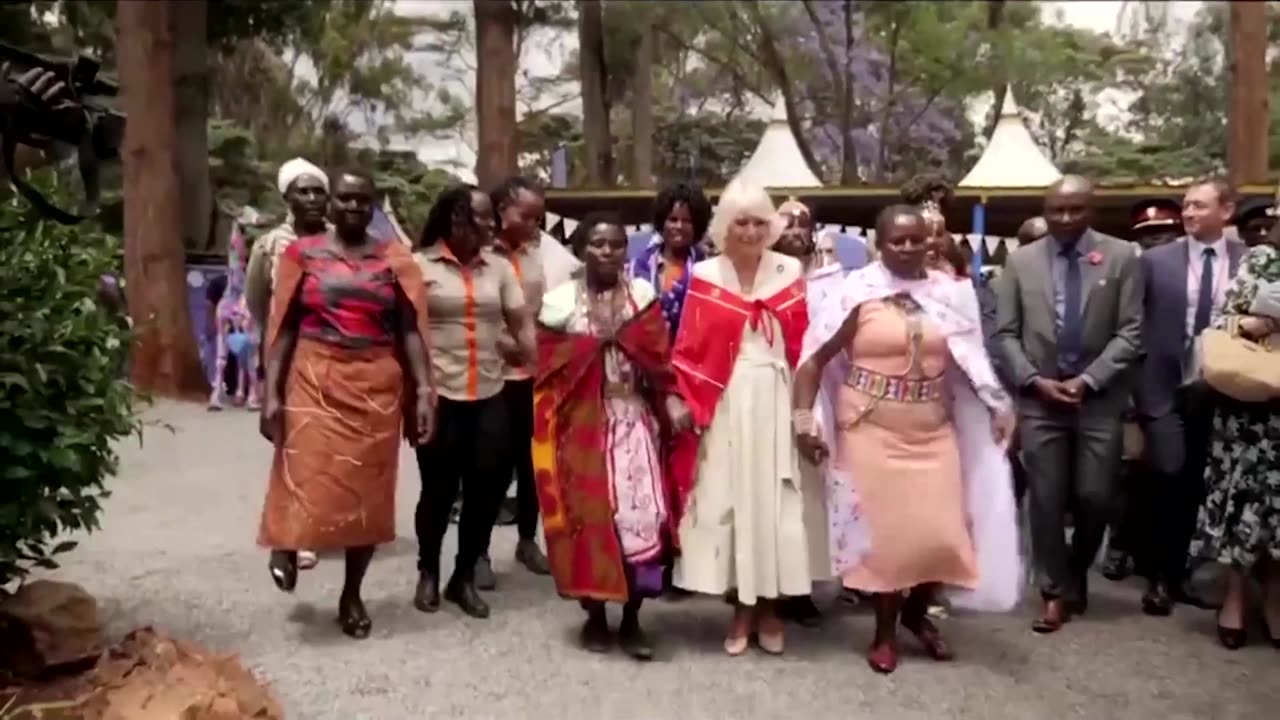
176	550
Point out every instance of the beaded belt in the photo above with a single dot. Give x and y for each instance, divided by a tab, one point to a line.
888	387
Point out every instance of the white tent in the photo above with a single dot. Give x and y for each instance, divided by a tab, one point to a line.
777	162
1012	159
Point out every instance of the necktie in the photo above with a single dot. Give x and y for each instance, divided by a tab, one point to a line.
1204	303
1070	341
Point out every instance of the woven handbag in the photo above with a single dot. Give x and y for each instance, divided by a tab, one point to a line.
1240	368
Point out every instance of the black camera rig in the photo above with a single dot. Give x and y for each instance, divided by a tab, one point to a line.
82	120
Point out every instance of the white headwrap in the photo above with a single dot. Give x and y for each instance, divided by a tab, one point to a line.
295	169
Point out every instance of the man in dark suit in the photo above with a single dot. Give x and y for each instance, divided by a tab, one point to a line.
1068	332
1184	282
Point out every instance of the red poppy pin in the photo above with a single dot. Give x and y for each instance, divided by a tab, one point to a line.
1094	258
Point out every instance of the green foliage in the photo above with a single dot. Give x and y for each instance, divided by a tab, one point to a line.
407	182
277	22
703	148
239	177
62	395
541	134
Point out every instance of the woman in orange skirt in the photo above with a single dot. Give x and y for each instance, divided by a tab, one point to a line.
347	377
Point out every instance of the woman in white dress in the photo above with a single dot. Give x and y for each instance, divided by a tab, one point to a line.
737	475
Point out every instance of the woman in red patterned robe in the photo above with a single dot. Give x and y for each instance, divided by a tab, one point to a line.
603	383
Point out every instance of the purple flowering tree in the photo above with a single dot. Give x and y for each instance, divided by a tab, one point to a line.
876	90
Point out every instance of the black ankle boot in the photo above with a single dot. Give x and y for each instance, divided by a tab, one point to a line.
462	592
595	631
353	618
426	596
632	638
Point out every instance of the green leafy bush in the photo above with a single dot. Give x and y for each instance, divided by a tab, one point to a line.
63	399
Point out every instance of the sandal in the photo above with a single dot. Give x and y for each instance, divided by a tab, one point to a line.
930	637
284	569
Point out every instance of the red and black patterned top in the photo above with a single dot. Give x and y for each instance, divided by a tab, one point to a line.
345	299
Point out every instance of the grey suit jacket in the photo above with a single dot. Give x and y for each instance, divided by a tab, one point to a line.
1026	337
1164	327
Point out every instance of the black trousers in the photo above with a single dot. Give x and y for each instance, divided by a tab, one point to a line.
518	396
1172	496
1126	532
469	451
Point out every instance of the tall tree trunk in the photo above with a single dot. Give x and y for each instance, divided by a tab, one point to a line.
1248	112
771	59
849	153
496	91
596	138
164	359
642	108
995	26
189	22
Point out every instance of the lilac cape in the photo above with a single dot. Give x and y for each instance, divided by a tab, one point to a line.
974	394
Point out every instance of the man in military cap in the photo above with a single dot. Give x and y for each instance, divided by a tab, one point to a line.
1255	219
1156	222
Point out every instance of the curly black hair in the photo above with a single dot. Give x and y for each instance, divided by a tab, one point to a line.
926	187
692	197
578	238
453	206
507	191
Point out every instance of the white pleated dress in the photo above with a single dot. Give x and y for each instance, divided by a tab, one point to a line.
744	524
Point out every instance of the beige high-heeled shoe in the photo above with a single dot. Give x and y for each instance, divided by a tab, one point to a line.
735	646
769	635
739	638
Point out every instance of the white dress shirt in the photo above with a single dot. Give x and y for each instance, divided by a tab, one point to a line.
1195	265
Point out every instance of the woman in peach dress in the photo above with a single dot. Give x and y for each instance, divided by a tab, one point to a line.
916	419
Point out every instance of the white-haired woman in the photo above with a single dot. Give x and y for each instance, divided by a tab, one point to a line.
741	524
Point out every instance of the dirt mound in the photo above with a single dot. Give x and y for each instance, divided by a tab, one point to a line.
147	676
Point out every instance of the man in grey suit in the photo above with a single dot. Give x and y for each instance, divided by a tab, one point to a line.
1184	283
1069	325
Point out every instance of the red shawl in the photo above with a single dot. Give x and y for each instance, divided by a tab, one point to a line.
570	467
706	349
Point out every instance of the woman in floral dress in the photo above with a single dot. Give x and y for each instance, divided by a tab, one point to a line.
1239	523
